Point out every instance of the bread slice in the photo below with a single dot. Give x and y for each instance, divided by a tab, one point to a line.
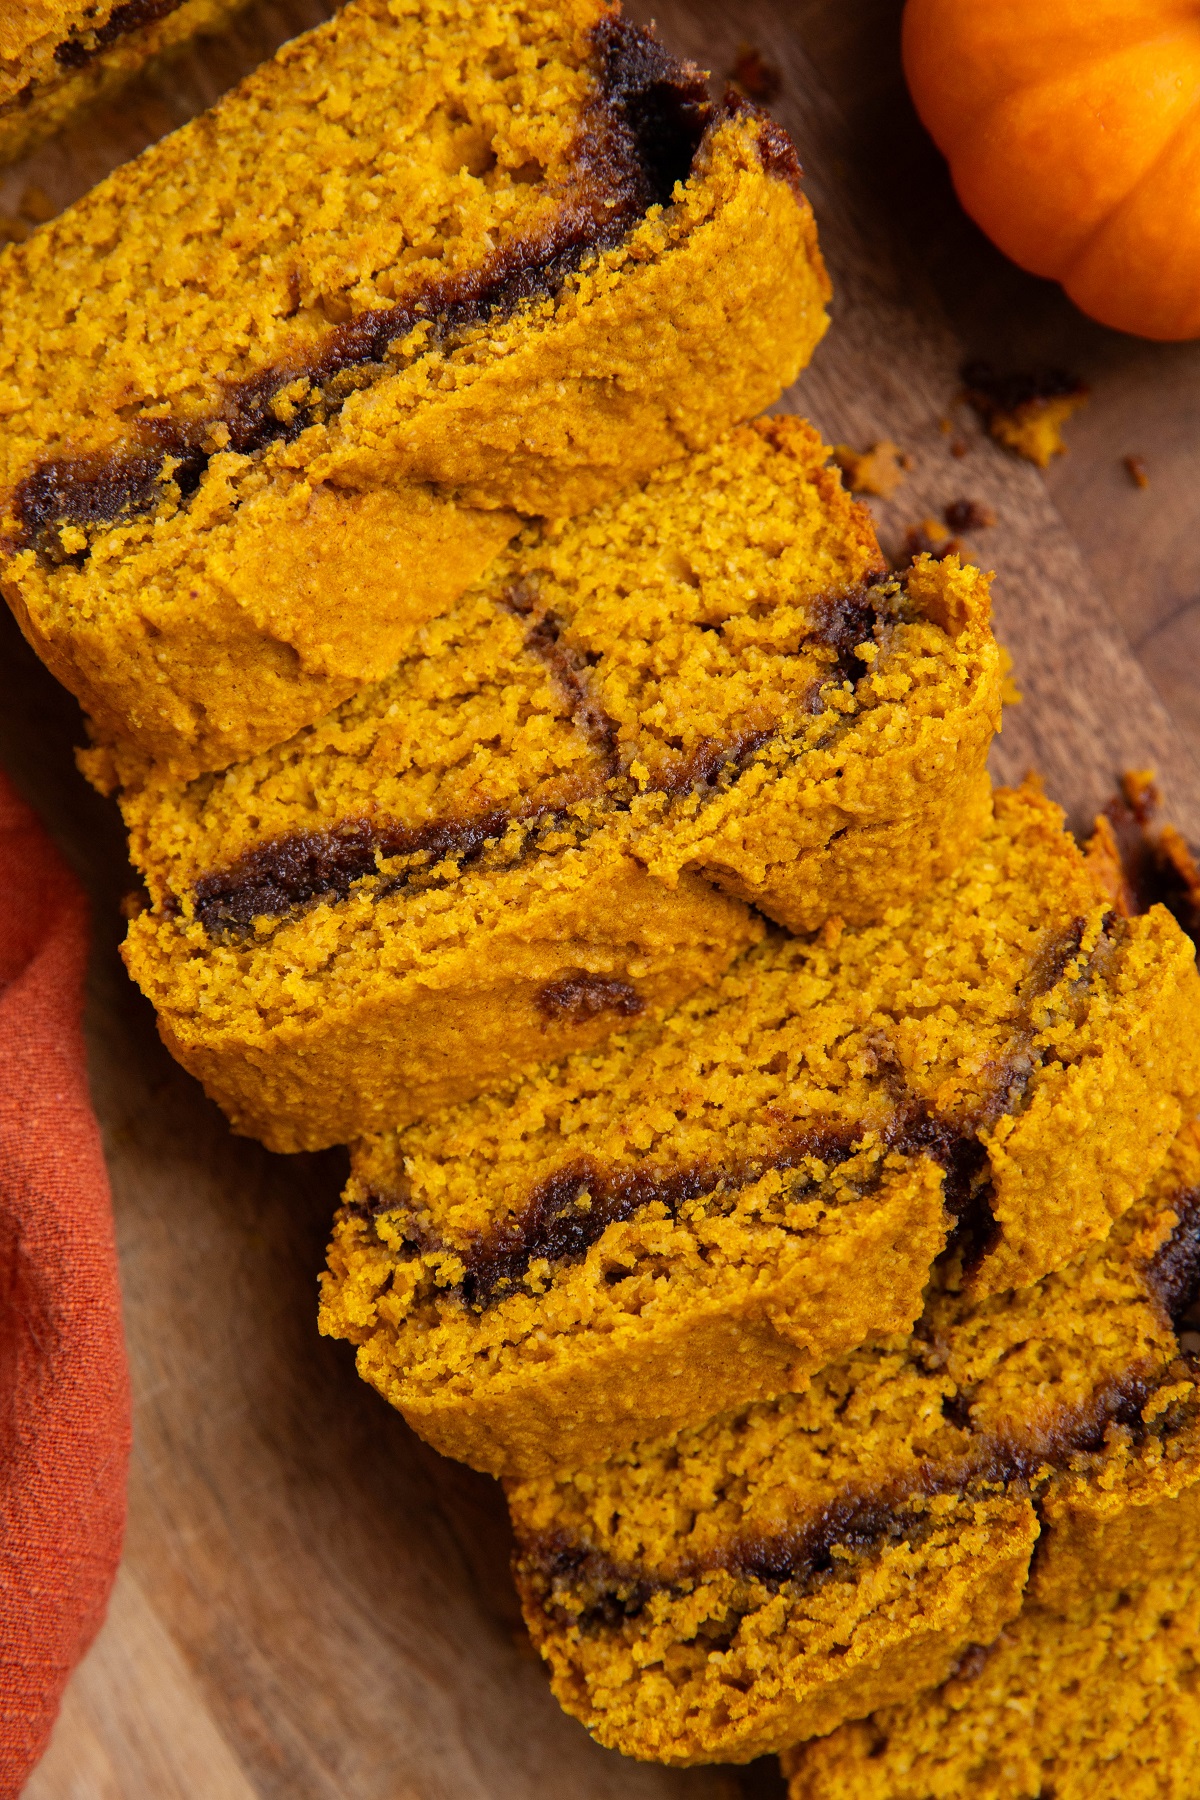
702	1211
58	56
276	392
546	820
782	1569
1096	1704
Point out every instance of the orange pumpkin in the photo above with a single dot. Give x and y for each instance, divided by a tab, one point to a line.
1072	130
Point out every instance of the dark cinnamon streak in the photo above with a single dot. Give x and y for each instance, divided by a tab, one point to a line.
291	872
1173	1276
569	670
77	50
776	151
288	872
571	1209
302	867
640	136
568	1212
553	1566
843	621
578	998
89	491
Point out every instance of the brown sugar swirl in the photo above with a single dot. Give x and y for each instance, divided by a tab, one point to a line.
275	878
582	996
576	1585
453	270
571	1209
568	1211
297	869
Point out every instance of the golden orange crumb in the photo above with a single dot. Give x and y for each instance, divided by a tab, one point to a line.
879	470
623	1236
1089	1694
1026	409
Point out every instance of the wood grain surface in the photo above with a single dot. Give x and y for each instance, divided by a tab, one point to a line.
312	1603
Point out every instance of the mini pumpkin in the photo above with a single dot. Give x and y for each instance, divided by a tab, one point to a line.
1072	130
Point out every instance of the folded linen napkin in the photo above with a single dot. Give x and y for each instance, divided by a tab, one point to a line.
64	1388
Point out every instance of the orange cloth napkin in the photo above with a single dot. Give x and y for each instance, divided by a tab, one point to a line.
64	1387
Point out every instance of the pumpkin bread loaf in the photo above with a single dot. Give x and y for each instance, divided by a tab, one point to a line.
57	56
544	821
1099	1704
700	1212
272	392
781	1569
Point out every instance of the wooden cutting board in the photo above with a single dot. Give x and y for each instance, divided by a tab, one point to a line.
312	1603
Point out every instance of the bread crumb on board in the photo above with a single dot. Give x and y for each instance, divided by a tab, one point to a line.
878	470
1025	409
969	515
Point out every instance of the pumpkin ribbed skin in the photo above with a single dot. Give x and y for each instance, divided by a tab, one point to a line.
1072	130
